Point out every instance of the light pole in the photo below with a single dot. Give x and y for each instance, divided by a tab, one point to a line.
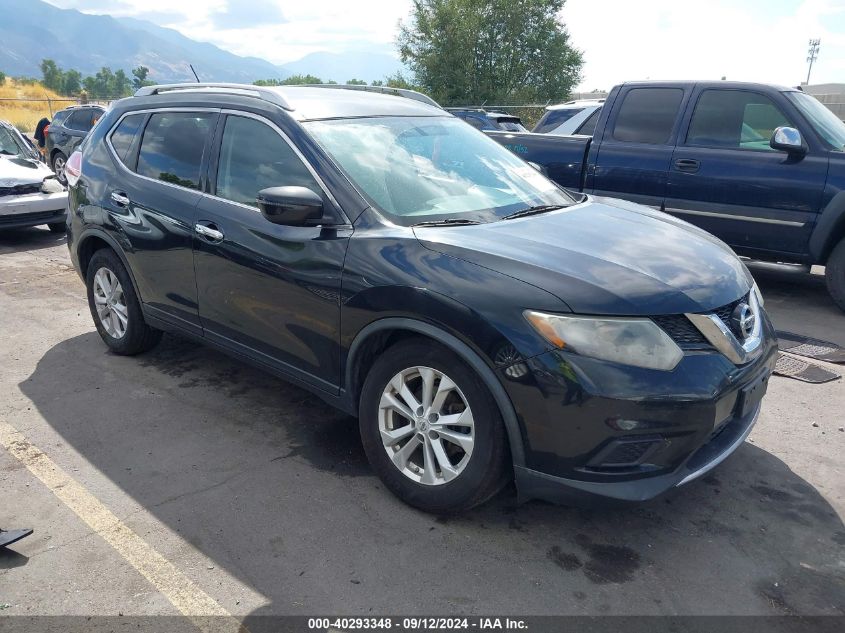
812	55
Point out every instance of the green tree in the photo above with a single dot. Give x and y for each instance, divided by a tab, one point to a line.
140	73
51	75
356	82
399	80
293	80
2	77
72	83
121	85
475	51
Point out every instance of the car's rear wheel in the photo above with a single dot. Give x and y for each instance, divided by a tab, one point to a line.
115	307
834	274
59	163
57	227
431	430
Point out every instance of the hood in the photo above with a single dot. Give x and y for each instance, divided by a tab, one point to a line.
604	257
15	170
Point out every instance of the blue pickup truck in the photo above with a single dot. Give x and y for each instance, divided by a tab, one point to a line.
759	166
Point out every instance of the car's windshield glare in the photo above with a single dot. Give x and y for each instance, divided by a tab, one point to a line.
824	122
421	169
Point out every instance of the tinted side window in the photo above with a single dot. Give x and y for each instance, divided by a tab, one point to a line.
253	157
647	115
736	119
79	120
475	122
124	134
171	149
588	127
553	118
60	117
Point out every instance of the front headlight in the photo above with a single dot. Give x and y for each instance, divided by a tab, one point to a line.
629	341
51	185
758	294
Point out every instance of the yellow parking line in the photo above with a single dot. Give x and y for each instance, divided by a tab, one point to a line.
183	593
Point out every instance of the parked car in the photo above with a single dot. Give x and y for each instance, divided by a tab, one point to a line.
761	167
480	321
29	192
66	131
483	120
572	117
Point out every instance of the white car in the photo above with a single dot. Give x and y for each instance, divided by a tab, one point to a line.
30	194
572	117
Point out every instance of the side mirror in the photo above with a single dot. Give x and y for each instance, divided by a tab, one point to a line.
290	206
787	139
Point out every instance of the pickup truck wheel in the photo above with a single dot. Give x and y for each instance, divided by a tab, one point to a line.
115	307
835	274
58	164
431	430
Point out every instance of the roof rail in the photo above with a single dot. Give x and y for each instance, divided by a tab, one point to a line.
399	92
260	92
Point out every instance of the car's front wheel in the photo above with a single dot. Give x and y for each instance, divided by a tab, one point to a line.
115	307
59	164
431	429
834	273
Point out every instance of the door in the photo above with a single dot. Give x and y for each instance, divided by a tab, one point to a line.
153	196
267	290
726	179
632	161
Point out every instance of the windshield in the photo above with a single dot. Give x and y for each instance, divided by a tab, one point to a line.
9	144
423	169
824	122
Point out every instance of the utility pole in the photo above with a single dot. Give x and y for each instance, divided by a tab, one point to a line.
812	55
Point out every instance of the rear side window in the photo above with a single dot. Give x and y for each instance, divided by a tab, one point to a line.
553	118
254	157
124	134
79	120
588	127
735	119
171	149
60	117
475	122
648	115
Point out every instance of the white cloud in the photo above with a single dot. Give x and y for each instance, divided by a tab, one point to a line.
752	40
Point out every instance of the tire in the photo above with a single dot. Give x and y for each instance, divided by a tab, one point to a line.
57	227
128	336
834	274
470	477
58	163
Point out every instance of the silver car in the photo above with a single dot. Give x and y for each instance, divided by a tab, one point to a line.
30	194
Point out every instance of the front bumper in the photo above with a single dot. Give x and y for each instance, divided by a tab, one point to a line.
601	431
32	209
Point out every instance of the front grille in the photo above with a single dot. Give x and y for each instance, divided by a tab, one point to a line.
20	190
686	335
682	331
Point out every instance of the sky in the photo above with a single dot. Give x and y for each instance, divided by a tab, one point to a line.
745	40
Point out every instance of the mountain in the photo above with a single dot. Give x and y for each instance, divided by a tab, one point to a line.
31	30
342	67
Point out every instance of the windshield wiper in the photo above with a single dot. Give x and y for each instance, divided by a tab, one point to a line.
447	222
543	208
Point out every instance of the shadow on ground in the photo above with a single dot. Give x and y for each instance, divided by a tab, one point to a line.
272	485
29	239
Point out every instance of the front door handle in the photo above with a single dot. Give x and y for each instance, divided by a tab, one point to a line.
210	232
120	198
687	164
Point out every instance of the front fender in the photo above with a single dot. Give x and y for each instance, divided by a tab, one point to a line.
829	229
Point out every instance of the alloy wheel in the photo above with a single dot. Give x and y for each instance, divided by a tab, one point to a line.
59	168
426	425
110	303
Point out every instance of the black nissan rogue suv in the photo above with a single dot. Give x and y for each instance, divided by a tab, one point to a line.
481	322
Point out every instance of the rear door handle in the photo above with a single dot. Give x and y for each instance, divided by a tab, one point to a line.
120	198
210	231
687	164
